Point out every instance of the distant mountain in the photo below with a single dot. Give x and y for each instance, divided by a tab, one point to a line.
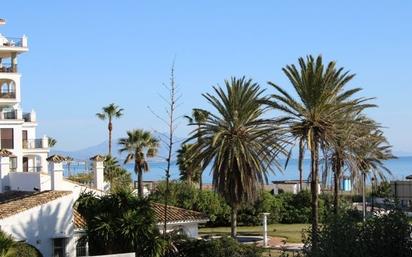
102	148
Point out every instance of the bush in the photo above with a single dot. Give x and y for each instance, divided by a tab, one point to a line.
344	236
224	247
187	196
25	250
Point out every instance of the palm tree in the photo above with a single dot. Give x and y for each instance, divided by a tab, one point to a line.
139	144
238	142
69	162
315	114
198	117
109	113
188	171
52	142
350	136
118	177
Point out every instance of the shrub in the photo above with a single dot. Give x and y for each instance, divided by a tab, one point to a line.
25	250
344	236
224	247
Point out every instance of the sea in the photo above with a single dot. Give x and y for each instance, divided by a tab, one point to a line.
400	168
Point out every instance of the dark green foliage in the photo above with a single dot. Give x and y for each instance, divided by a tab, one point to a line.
187	196
25	250
283	208
224	247
119	223
342	235
296	207
383	190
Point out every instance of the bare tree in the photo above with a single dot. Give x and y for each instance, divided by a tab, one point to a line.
170	120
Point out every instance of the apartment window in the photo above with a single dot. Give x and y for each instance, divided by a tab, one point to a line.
6	135
59	247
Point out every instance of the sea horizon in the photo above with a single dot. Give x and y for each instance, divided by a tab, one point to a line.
400	168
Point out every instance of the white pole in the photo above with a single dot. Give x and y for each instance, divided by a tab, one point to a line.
265	229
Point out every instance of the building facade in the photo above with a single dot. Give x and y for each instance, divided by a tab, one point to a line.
18	128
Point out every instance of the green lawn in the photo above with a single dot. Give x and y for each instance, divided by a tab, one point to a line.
291	232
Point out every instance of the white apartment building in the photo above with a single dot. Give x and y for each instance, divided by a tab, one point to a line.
17	128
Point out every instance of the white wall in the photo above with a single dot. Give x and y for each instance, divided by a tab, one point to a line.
26	181
189	228
39	225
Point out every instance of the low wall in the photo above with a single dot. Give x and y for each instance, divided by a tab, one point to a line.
27	181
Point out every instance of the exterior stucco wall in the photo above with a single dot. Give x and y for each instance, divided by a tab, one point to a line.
190	229
38	226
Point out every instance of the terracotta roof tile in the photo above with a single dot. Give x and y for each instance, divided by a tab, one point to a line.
56	158
14	202
78	220
174	215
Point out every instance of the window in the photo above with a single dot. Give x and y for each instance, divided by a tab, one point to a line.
6	135
59	247
81	247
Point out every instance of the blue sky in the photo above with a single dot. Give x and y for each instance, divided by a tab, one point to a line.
86	54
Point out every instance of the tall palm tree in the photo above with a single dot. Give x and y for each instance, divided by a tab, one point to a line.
140	145
109	113
239	143
316	112
188	171
354	129
198	117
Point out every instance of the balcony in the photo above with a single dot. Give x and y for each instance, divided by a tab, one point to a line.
8	115
13	41
8	95
40	143
8	68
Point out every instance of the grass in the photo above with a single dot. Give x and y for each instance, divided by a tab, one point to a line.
291	232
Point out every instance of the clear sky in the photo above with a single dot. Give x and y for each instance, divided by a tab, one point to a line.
86	54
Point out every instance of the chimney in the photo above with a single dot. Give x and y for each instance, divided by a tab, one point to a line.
4	168
98	171
56	171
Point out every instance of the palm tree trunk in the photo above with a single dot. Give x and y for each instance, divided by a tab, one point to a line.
300	164
110	128
139	173
200	181
336	175
233	222
314	192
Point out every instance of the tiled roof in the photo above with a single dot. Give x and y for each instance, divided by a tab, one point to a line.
56	158
98	158
5	153
79	222
14	202
174	215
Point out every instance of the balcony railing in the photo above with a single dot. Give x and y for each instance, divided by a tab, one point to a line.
8	95
33	144
8	67
11	42
9	115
